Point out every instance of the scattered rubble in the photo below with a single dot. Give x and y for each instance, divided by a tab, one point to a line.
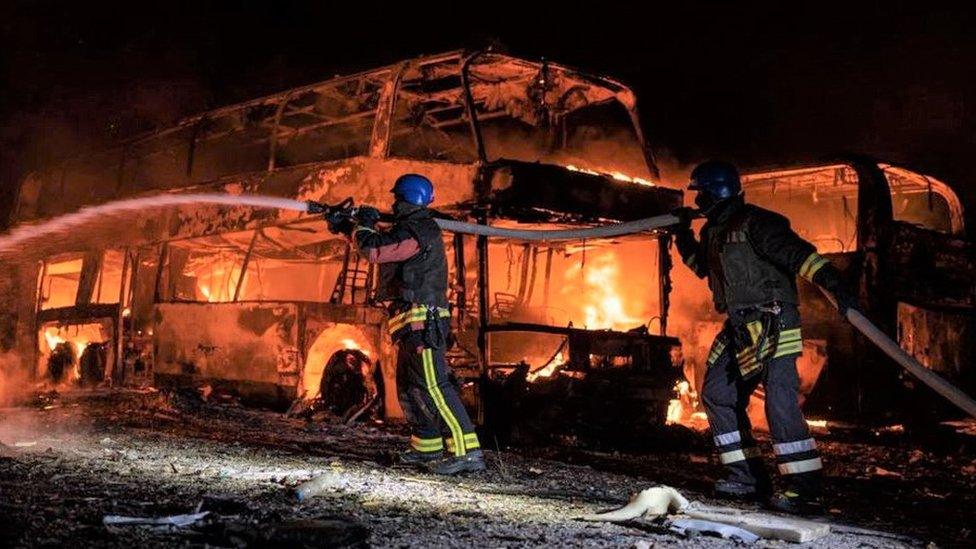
174	454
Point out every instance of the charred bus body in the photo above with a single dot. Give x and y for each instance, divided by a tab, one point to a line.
261	300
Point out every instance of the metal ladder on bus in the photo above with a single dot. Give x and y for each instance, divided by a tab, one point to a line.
354	284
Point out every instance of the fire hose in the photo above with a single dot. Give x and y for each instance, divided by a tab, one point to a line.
936	382
346	208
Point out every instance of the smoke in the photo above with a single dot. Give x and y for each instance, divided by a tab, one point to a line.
602	148
674	173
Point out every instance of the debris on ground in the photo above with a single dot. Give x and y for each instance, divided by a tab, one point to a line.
172	453
694	527
660	501
161	523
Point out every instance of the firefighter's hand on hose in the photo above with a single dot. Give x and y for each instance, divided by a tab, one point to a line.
684	238
828	278
685	215
845	300
367	216
339	222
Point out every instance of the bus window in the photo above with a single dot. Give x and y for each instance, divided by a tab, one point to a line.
923	201
108	285
59	282
821	203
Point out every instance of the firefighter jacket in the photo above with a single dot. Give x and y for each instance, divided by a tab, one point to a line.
412	260
751	257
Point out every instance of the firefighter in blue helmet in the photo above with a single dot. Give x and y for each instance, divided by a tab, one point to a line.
413	283
751	258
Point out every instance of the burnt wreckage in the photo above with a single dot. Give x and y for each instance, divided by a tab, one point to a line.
268	302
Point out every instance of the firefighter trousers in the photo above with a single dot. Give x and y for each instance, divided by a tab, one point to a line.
430	400
726	395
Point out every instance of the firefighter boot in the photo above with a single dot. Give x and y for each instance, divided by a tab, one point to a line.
733	489
747	480
801	496
470	462
419	459
730	489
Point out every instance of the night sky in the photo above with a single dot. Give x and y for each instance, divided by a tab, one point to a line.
757	83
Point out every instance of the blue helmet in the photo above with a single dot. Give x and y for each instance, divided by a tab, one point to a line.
414	189
717	179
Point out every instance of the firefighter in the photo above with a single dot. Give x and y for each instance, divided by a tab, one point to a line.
751	258
413	284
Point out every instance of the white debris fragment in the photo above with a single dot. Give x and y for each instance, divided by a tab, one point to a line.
173	521
662	500
650	503
726	531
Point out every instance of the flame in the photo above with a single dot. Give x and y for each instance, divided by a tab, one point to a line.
349	343
548	369
619	176
674	412
53	338
338	337
604	306
676	406
218	282
681	410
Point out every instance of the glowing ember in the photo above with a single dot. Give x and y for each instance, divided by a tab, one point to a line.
548	369
619	176
819	423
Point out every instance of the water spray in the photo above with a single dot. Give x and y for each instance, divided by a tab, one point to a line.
20	237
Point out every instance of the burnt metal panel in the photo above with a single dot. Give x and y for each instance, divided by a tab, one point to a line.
947	266
255	342
520	187
79	313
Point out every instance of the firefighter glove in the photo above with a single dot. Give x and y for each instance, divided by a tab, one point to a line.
829	279
367	216
339	222
845	299
684	215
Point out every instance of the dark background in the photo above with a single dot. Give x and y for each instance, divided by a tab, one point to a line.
759	83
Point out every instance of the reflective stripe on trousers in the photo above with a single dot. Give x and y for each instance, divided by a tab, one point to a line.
734	456
800	467
417	313
427	444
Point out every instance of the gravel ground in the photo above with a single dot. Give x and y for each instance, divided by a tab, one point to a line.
150	454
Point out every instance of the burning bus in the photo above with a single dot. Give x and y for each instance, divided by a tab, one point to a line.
268	302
